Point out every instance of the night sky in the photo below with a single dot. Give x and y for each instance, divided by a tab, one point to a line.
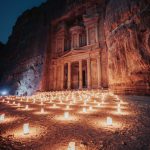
10	10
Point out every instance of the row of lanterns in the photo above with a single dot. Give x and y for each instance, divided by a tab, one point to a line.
71	146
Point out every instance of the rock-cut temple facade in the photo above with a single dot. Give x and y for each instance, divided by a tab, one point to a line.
76	54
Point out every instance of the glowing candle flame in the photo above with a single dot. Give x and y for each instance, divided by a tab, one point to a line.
27	107
14	103
66	115
71	146
2	117
54	105
84	103
98	104
42	110
109	121
119	110
84	110
18	104
7	102
3	100
26	128
118	105
90	108
67	107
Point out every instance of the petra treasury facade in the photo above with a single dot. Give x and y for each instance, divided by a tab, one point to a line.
76	53
81	44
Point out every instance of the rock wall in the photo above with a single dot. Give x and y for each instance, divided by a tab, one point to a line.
127	30
2	58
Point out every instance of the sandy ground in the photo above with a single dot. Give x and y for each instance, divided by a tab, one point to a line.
89	131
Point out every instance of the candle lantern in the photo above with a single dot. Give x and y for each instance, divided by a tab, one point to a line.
84	110
66	115
27	107
90	108
26	128
67	107
71	146
109	121
2	117
42	110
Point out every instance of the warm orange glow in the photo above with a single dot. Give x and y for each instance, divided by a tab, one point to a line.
18	105
67	107
42	110
27	107
90	108
54	105
119	110
98	105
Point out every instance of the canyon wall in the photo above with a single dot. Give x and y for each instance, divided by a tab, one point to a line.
26	50
127	30
1	59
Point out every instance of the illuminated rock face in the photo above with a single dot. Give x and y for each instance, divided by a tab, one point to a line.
26	51
128	41
106	43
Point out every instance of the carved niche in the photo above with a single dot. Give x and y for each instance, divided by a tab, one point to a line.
60	35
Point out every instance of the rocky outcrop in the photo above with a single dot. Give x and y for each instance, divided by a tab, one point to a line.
127	30
2	58
27	50
1	46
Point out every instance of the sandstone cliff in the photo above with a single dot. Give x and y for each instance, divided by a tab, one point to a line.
127	30
1	59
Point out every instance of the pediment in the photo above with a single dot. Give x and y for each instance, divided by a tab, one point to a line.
74	52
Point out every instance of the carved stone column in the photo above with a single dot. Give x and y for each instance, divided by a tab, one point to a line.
89	73
62	76
69	75
96	32
55	77
87	36
80	74
98	72
78	40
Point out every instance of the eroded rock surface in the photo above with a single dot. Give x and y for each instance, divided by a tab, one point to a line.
127	32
